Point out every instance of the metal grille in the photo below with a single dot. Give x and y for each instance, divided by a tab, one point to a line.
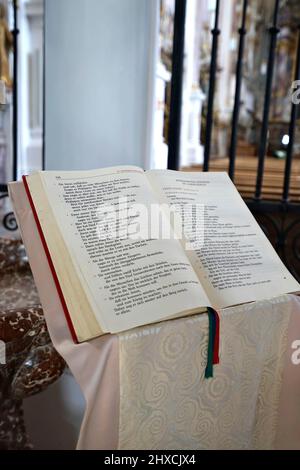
279	219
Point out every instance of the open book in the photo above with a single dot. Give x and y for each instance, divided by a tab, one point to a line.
128	248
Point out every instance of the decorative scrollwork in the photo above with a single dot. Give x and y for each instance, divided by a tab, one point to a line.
292	246
296	247
9	221
270	227
283	231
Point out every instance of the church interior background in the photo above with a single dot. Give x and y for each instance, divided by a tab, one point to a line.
199	22
200	17
197	56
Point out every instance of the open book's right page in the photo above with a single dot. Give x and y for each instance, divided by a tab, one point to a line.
234	260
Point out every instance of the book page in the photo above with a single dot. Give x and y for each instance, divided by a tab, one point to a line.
130	277
234	261
74	294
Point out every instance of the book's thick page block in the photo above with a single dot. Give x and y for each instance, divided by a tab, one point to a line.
235	262
111	283
114	273
39	263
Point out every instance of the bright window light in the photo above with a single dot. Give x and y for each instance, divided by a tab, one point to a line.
285	139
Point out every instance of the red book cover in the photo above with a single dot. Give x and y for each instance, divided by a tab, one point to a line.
55	278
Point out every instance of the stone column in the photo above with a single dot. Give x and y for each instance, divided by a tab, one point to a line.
31	84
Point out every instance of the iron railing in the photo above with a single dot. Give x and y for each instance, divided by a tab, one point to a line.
279	219
211	91
237	98
273	30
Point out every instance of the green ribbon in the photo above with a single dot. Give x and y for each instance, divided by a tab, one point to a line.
209	370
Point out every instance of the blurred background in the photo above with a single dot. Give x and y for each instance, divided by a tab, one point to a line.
88	83
107	76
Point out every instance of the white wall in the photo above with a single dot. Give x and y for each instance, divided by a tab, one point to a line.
100	65
31	15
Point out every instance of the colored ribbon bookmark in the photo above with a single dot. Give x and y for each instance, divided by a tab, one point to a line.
213	341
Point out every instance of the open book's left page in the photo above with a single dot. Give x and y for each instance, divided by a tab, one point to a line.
127	280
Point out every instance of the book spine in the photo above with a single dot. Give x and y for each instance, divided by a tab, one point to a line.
55	278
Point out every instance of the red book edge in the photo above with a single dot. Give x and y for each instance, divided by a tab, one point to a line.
216	358
55	278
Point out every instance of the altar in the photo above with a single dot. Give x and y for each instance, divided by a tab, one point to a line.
146	388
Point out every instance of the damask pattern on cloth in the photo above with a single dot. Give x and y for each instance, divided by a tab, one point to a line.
165	401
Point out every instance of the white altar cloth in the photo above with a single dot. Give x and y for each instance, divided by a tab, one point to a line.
145	389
